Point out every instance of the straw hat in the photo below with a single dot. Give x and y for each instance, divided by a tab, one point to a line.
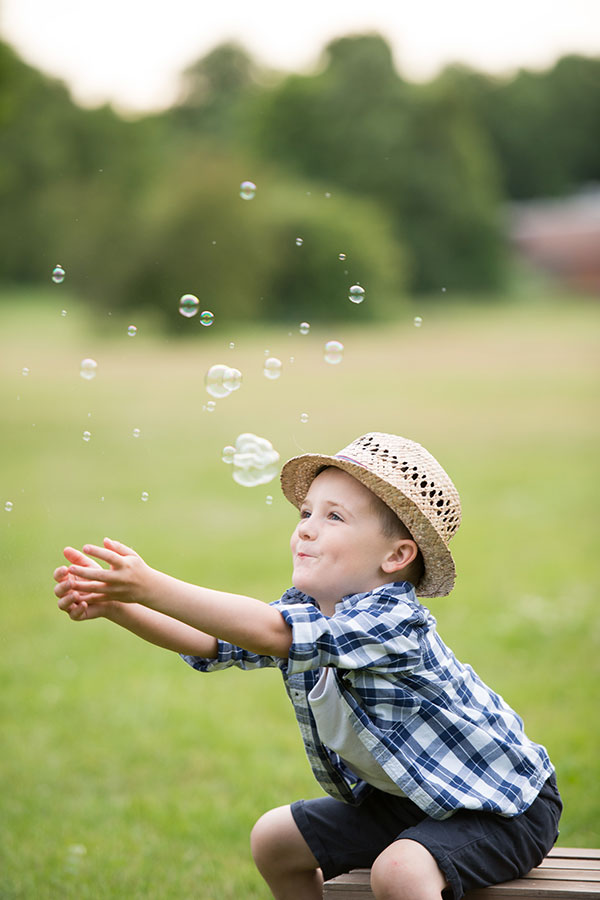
410	481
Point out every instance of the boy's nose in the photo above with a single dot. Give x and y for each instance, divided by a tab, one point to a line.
305	530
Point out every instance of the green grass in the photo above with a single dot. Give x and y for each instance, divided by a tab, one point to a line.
114	746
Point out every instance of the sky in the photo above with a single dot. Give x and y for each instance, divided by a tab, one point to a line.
131	52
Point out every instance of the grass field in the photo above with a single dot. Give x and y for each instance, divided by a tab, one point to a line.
124	773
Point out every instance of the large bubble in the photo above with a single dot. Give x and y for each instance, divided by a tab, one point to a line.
253	458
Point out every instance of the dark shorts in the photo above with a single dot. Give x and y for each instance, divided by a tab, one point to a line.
472	849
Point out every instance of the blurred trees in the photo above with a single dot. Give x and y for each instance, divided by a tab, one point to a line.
406	180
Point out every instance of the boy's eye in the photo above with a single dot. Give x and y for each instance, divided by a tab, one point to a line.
304	514
335	517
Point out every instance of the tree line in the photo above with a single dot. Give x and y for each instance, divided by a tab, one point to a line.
395	185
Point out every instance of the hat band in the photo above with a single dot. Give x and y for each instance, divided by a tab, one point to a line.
349	459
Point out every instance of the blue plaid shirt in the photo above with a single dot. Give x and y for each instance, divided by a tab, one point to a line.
445	738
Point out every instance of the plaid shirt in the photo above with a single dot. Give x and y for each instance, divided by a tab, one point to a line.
445	738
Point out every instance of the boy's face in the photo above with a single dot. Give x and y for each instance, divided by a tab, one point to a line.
338	546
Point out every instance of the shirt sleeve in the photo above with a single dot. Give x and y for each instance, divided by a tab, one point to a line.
380	633
229	655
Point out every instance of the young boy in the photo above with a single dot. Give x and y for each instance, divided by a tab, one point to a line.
431	779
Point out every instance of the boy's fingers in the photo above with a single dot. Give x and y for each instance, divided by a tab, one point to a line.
60	573
123	549
76	556
91	573
104	553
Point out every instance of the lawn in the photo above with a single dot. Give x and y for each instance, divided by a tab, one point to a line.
125	773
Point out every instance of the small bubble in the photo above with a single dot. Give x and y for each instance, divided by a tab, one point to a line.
341	256
58	275
63	312
247	190
210	406
132	330
8	505
304	417
136	432
272	368
227	454
356	293
188	305
327	194
86	436
267	352
304	327
144	496
88	368
292	359
207	318
25	371
231	345
299	241
443	290
334	352
417	321
269	500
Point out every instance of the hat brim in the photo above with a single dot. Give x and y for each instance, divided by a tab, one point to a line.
439	575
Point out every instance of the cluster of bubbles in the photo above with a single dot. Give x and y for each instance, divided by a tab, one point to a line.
254	460
221	380
88	368
58	274
247	190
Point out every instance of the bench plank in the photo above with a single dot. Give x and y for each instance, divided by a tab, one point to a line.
567	872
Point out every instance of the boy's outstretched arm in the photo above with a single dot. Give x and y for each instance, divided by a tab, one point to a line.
244	621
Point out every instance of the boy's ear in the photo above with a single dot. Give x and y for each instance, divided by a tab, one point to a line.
400	556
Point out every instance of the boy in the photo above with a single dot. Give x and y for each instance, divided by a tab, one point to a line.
431	779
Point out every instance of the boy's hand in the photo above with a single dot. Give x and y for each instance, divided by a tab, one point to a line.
69	600
125	581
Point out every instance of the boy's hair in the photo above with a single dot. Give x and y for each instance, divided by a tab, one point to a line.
393	528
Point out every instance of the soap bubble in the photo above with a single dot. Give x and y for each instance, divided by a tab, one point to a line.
334	352
8	505
132	330
299	242
254	460
304	417
304	327
221	380
341	256
144	496
58	275
188	305
88	368
207	318
269	500
247	190
272	368
86	436
210	406
356	293
443	290
417	321
231	345
63	312
136	432
227	454
25	371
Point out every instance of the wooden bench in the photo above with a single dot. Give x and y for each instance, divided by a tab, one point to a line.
565	873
